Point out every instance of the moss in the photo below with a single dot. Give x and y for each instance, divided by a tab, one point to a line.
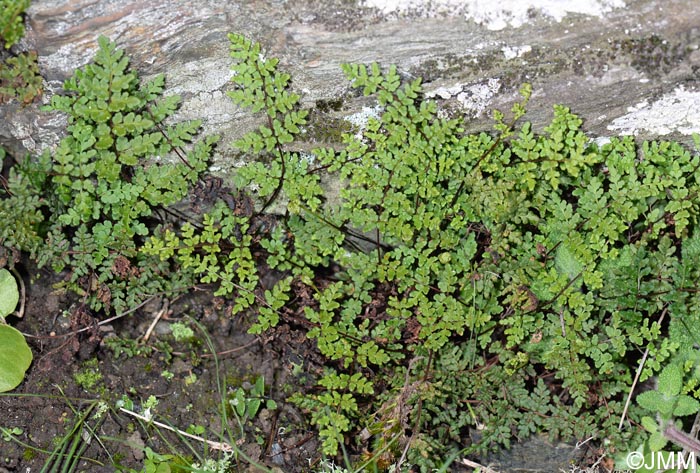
89	376
28	454
329	105
323	128
235	381
653	55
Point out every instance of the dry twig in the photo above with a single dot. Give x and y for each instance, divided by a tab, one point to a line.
163	310
224	447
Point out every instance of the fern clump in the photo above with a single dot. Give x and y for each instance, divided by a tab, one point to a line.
20	79
465	263
483	286
222	251
19	73
119	163
262	88
22	204
217	253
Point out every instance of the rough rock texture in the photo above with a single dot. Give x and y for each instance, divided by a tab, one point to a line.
631	67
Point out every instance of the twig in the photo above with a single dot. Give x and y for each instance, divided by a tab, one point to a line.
484	469
696	426
220	353
693	435
597	464
163	310
101	322
581	444
231	350
634	383
224	447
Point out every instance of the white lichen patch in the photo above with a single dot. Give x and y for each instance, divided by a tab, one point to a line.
474	99
360	119
477	98
202	84
675	112
309	158
199	76
497	15
446	92
511	52
68	57
601	141
215	106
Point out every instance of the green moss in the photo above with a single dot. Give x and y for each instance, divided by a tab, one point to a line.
28	454
89	375
653	55
329	105
325	129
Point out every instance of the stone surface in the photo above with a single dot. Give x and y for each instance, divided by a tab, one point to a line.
536	455
624	66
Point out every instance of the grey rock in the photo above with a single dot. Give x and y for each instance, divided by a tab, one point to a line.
536	455
599	66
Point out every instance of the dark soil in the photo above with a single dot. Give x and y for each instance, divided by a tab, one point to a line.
54	395
47	404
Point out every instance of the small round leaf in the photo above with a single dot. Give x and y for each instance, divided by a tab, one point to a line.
9	295
15	357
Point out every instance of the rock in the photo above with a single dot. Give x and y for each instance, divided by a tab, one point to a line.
535	455
615	64
137	446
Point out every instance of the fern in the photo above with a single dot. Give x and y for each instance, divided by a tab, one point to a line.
104	182
566	250
503	282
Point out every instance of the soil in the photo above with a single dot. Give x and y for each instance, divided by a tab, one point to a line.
48	402
75	365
